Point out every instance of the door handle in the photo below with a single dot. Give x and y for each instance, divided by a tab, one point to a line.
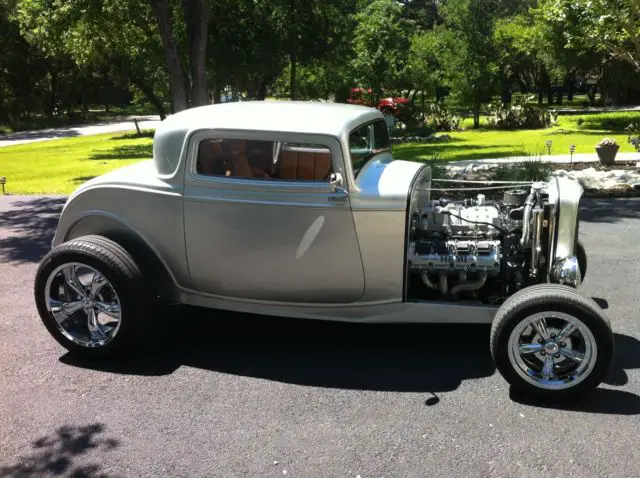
340	195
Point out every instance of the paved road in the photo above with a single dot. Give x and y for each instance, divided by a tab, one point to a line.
234	396
145	122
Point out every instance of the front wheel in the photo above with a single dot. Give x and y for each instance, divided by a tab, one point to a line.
549	340
88	292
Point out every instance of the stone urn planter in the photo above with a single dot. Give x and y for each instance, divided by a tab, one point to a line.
607	150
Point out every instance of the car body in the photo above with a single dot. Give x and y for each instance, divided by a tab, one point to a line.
299	209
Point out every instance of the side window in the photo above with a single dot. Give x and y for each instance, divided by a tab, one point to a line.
367	141
264	160
235	158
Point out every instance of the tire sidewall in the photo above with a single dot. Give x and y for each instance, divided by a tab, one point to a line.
601	333
124	287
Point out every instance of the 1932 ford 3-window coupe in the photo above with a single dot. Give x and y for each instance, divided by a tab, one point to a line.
300	210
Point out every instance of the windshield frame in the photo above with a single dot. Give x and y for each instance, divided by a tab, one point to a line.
357	162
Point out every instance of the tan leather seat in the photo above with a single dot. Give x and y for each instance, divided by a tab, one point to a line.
305	166
210	161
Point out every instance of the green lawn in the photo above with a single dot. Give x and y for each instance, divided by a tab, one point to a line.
489	143
59	166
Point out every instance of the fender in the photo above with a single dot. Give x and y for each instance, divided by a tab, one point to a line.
153	266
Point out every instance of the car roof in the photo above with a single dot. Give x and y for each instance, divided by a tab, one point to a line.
309	117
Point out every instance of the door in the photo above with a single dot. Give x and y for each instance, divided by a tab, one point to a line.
265	221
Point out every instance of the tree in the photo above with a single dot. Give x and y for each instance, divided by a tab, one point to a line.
424	70
380	45
467	50
114	37
607	26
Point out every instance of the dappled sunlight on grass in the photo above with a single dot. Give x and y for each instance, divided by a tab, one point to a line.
59	166
491	143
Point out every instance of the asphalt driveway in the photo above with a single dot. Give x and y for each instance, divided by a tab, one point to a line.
116	126
233	395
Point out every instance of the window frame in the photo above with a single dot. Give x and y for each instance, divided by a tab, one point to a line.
192	177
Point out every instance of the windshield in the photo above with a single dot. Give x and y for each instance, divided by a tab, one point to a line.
366	141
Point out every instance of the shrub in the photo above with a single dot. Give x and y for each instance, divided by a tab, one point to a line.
438	118
521	114
633	131
533	169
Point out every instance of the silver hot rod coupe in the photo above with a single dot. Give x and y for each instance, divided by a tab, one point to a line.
299	209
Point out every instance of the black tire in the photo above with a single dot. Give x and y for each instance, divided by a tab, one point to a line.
581	255
551	297
122	272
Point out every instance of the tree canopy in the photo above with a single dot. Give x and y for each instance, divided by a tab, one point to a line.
59	55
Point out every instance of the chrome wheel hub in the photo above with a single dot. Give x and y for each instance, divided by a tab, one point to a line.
552	350
84	304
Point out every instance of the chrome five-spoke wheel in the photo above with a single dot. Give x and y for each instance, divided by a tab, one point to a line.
552	350
550	340
84	304
91	297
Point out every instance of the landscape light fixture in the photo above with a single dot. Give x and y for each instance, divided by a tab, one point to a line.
3	181
549	143
572	149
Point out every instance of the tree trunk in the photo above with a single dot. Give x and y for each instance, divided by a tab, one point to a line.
476	115
292	77
174	66
293	37
217	94
571	79
262	90
505	91
196	13
54	92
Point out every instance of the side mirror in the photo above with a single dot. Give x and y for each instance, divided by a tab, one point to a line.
336	182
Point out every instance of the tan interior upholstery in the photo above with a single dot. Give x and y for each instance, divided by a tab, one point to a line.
309	166
210	161
240	158
240	166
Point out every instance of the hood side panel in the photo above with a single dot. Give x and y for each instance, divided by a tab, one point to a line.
379	211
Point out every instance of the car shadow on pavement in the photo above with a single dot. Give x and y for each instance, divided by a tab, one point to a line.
56	454
603	400
31	224
406	358
609	210
381	357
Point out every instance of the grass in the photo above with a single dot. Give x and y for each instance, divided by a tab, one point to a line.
60	166
491	143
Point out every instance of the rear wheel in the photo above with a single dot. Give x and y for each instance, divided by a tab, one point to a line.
89	295
549	340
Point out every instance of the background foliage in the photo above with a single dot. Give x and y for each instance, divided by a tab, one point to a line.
61	58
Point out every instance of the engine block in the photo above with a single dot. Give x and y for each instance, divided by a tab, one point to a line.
457	255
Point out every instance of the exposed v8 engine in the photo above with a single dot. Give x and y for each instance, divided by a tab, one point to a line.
478	249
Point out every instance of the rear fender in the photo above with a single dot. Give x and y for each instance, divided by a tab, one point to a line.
153	267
